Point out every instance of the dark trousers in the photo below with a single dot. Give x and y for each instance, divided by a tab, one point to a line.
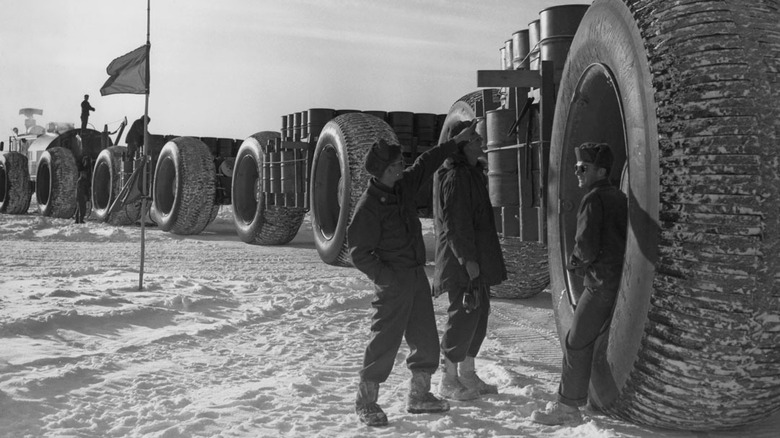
593	310
403	309
81	208
464	332
84	120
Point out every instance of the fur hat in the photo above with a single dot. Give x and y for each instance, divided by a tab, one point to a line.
597	153
458	127
380	156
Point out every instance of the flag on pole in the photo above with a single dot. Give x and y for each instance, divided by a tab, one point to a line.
129	73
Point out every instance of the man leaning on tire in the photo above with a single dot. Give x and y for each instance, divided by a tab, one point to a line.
598	253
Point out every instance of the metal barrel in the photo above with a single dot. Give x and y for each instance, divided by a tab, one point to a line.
520	49
503	186
225	147
402	123
290	127
509	53
276	171
440	118
304	124
380	114
425	128
288	173
558	24
318	118
502	57
533	44
297	118
346	111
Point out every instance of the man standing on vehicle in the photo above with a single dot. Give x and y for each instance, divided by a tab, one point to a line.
386	243
85	109
468	262
599	247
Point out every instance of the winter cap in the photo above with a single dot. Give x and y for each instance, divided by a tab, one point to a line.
597	153
459	127
380	156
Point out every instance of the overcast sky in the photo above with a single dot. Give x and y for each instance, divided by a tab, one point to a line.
230	68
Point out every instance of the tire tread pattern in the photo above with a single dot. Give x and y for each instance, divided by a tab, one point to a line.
705	361
198	176
16	200
64	173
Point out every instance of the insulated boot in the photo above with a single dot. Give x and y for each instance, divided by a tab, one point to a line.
556	414
367	410
450	387
420	399
469	378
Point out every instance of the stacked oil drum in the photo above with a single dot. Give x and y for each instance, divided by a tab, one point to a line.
416	132
516	154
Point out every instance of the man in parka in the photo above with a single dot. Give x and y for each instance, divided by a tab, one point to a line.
135	137
468	262
599	248
386	243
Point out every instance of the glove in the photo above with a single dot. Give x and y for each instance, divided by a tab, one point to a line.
475	292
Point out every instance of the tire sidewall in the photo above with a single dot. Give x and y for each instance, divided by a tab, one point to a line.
250	150
44	208
5	183
625	58
329	247
169	155
105	158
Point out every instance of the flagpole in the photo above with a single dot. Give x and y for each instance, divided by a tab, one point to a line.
145	152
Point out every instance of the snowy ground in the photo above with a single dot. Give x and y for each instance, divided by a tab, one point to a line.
232	340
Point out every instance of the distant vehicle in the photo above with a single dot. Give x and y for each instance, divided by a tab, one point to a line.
46	162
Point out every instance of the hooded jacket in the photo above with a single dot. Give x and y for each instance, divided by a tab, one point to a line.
465	227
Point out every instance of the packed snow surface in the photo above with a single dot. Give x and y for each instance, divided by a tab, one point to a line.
233	340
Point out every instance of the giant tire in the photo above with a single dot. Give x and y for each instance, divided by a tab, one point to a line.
107	185
256	224
464	108
184	186
338	179
55	183
14	183
686	92
526	261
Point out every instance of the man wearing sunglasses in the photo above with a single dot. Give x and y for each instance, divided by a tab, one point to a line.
598	254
